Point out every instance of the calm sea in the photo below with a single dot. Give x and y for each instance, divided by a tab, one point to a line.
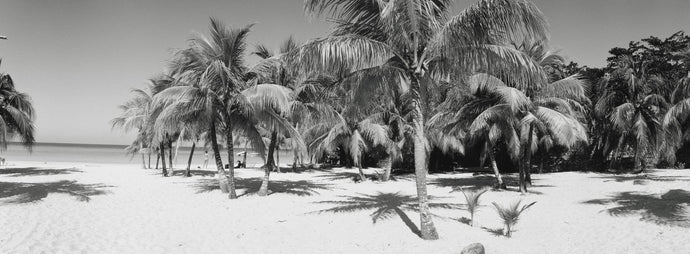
52	152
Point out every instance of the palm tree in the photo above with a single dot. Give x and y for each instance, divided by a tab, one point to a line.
415	44
16	114
634	108
135	115
213	70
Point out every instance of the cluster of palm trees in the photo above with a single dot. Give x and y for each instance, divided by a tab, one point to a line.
393	76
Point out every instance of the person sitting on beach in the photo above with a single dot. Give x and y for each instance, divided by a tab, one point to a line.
240	165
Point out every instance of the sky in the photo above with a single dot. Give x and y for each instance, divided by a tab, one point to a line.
79	59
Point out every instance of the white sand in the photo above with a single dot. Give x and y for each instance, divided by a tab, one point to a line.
143	212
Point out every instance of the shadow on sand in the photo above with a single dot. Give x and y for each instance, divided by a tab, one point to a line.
195	172
252	185
19	193
671	208
33	171
484	181
384	206
642	179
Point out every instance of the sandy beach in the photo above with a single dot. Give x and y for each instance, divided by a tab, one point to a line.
109	208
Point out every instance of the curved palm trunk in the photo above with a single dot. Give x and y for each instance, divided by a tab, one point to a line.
231	158
165	171
158	158
427	228
494	166
222	177
263	190
189	161
270	159
524	167
278	158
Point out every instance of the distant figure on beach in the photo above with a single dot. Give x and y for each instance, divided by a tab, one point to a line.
205	159
240	165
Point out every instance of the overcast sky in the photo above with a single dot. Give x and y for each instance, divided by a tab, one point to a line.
78	59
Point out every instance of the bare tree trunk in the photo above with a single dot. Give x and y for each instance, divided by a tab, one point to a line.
427	228
499	180
222	177
189	161
165	171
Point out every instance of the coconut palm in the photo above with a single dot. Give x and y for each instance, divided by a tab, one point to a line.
212	71
415	44
135	115
675	118
16	114
511	214
634	109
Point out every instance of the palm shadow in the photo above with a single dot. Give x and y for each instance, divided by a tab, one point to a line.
336	176
483	181
252	185
20	193
34	171
642	179
494	231
667	209
385	206
195	172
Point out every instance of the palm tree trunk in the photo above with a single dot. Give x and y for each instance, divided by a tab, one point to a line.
263	190
222	177
494	166
189	161
244	157
428	230
528	160
270	163
149	154
387	165
143	157
170	153
165	171
362	177
158	158
231	158
278	158
637	167
526	152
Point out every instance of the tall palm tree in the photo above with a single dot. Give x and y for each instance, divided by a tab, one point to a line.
634	109
415	44
16	113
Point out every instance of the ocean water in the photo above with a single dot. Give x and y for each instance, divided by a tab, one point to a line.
87	153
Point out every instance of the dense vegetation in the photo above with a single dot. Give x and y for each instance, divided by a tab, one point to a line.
403	85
